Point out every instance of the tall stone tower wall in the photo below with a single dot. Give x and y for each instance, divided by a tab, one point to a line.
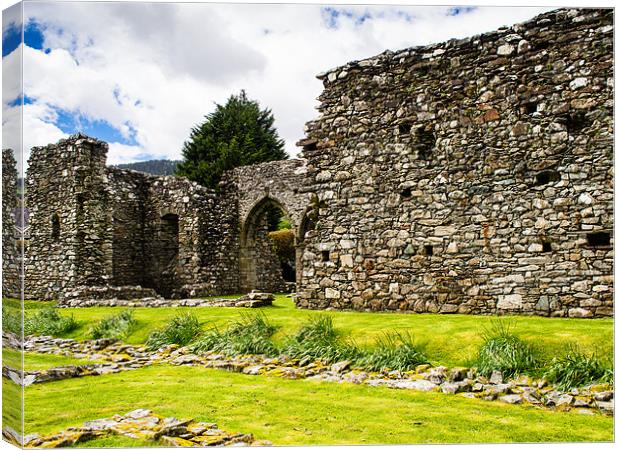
472	176
65	186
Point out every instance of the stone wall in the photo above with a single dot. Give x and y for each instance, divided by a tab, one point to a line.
66	199
471	176
11	248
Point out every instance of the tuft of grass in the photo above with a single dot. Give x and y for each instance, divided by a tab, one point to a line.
249	335
11	320
117	326
393	351
48	321
504	351
180	330
575	369
318	339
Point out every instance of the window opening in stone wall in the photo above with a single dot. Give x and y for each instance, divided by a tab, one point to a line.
531	108
428	250
546	177
325	255
540	45
167	253
81	199
576	121
404	128
310	147
425	141
546	246
406	193
599	239
55	227
307	224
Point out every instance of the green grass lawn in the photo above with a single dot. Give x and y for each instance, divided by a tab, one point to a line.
450	339
301	412
304	412
11	405
40	361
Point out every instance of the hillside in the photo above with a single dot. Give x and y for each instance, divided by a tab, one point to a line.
154	167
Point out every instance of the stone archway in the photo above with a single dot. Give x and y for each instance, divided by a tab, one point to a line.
259	264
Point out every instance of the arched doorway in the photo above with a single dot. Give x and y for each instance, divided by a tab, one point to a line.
267	259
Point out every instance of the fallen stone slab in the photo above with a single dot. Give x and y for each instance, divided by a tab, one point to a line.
139	424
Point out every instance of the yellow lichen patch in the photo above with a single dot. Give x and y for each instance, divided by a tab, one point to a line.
601	388
209	440
171	441
200	427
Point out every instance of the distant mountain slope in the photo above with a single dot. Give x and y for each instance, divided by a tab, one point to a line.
154	167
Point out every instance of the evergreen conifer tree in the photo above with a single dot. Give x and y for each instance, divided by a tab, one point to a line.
236	134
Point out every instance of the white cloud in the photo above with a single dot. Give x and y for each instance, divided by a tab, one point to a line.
157	69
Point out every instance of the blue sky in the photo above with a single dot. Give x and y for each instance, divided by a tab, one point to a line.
67	121
108	70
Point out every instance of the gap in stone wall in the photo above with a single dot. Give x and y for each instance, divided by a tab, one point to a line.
546	177
599	239
425	142
55	227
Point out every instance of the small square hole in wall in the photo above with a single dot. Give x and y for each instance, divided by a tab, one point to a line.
599	239
310	147
546	247
530	107
405	193
576	121
404	128
540	45
546	177
428	250
325	255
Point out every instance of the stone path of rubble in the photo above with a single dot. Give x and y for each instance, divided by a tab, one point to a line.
251	300
119	357
139	424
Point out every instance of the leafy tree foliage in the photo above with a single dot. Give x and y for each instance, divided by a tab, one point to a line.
236	134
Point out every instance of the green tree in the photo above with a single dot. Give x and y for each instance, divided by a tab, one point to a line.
236	134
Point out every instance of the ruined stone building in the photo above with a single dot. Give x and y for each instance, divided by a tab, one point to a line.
106	232
472	176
